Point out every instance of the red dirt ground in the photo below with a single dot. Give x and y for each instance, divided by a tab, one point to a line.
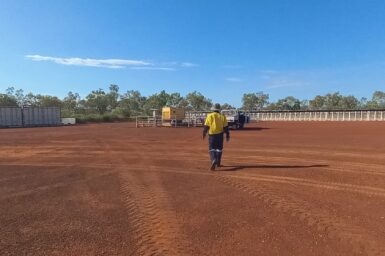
287	188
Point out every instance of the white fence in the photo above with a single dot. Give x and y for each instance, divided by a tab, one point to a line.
359	115
150	121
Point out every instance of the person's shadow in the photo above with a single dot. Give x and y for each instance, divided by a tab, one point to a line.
227	168
245	129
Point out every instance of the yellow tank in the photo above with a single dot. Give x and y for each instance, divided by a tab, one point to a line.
170	113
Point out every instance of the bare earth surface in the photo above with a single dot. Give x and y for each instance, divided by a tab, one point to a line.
110	189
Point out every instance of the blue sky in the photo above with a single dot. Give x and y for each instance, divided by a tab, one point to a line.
220	48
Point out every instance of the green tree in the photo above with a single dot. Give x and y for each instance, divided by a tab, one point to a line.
113	96
7	101
363	103
349	102
333	101
20	98
304	105
133	101
48	101
156	101
97	100
175	100
198	102
71	105
288	103
70	102
184	104
30	99
317	103
378	99
227	106
254	101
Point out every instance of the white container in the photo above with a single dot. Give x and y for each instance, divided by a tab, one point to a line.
67	121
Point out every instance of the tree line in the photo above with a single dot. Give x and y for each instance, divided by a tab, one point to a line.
112	104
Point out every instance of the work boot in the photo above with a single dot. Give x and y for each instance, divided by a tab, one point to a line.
213	164
218	158
213	155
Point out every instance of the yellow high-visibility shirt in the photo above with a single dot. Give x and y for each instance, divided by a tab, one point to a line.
217	122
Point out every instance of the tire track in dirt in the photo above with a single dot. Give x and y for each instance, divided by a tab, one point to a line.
333	165
371	191
154	226
366	190
153	222
334	226
346	167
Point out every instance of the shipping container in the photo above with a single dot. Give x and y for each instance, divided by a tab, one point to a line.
10	117
170	113
41	116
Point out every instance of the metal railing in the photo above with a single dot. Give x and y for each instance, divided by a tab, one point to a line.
332	115
150	121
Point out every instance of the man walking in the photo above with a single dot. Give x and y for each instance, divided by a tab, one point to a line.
216	125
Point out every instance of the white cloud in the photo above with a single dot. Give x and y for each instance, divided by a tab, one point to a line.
266	77
234	79
104	63
112	63
279	83
153	68
188	65
274	79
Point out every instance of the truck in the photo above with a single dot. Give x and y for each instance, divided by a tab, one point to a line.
236	118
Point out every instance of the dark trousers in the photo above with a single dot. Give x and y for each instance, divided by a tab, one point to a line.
216	147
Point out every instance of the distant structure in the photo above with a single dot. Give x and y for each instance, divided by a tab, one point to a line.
29	116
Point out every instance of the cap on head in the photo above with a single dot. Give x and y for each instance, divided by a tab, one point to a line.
216	107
